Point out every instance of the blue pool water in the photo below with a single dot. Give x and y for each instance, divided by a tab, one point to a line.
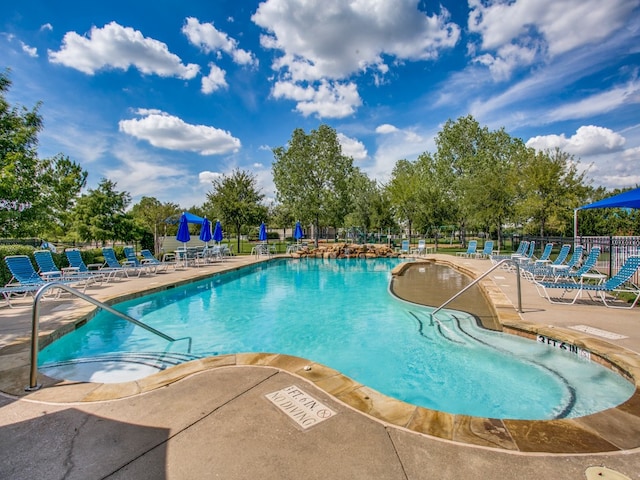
341	314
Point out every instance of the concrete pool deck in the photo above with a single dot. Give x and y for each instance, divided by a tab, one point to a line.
211	418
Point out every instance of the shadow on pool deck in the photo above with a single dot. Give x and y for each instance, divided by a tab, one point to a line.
211	417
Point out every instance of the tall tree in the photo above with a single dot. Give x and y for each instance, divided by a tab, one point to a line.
236	200
403	190
460	144
20	168
100	214
62	182
313	177
552	187
152	215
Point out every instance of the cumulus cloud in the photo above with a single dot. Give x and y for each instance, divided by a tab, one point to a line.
142	176
352	147
332	100
588	140
328	44
206	177
341	38
31	51
209	39
215	80
118	47
386	128
166	131
519	29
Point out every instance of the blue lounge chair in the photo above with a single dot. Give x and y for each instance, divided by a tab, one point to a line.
24	277
546	253
487	250
76	261
541	269
472	246
404	248
112	262
50	272
149	258
132	260
519	251
587	267
617	284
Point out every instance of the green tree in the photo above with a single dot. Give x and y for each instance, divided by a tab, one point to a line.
435	204
313	178
61	184
551	188
152	214
404	192
20	168
100	215
236	200
363	203
281	217
460	145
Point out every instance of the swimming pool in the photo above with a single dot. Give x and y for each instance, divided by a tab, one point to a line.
340	313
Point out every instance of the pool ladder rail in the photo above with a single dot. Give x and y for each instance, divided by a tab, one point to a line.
494	267
35	323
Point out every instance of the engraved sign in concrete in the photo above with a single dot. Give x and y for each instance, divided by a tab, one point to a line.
300	407
598	332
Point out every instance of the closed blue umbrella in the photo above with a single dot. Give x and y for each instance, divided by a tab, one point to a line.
183	230
263	233
217	232
297	234
205	231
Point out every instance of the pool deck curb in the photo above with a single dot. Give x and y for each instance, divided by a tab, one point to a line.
611	433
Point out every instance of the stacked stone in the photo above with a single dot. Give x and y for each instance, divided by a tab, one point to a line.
345	250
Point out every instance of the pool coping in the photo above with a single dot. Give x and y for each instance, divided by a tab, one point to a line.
612	430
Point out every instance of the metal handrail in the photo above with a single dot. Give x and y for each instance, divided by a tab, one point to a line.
500	263
35	320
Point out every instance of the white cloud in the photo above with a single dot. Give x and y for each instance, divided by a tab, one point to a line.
209	39
588	140
46	26
542	27
206	177
114	46
215	80
323	45
598	103
352	147
141	176
386	128
166	131
31	51
395	144
328	100
338	38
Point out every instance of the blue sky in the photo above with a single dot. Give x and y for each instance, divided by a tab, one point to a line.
162	97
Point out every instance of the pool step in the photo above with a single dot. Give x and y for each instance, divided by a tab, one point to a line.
115	367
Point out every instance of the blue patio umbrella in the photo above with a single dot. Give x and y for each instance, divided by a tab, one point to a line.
297	234
263	233
183	230
205	231
217	232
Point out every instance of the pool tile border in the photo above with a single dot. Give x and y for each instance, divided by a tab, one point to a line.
616	429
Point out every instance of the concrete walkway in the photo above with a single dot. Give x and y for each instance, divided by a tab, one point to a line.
212	418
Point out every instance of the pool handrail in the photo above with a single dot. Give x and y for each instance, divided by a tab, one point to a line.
476	280
35	320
